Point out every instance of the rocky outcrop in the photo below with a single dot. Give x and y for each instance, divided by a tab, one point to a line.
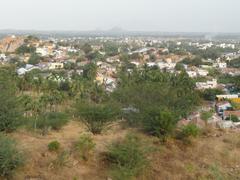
11	43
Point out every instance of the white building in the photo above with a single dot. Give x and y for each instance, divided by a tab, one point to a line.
192	74
151	64
227	96
21	71
42	51
207	85
223	45
135	63
202	72
58	53
222	65
28	68
70	49
3	57
179	43
55	65
206	66
165	65
113	59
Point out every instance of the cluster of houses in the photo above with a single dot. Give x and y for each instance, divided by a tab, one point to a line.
41	66
204	46
225	109
230	56
55	56
225	116
106	74
107	69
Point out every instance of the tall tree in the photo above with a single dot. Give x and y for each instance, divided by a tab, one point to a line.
90	71
34	59
10	113
86	48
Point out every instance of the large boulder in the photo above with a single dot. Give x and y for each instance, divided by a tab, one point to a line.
11	43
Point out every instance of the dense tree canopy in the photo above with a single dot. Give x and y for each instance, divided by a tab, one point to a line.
90	71
210	94
10	113
197	61
163	95
234	63
34	59
111	48
25	49
228	79
86	48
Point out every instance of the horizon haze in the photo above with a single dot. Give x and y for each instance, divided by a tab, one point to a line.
214	16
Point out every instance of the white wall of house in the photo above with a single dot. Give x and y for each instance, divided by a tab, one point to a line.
53	66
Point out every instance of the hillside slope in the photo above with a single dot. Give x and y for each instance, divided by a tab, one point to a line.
211	156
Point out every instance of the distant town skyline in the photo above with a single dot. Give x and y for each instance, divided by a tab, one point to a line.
132	15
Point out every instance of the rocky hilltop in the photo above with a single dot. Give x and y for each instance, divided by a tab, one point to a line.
11	43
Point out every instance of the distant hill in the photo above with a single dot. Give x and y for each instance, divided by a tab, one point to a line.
119	32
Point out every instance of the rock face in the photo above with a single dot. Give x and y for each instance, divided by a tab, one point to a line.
11	43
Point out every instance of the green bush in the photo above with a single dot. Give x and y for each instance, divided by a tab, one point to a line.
132	119
233	118
54	146
210	94
190	130
25	49
34	59
158	122
53	120
205	115
96	116
61	160
84	146
127	158
10	157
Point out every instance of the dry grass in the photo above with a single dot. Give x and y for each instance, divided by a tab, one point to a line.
40	161
215	156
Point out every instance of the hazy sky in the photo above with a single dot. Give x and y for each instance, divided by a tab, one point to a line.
147	15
